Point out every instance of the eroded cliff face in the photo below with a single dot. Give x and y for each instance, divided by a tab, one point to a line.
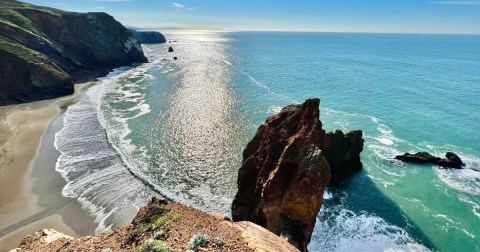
71	44
286	168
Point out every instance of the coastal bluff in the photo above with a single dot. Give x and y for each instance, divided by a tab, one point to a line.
165	226
43	51
286	168
149	37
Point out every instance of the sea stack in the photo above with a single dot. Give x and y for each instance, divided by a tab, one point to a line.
285	172
343	152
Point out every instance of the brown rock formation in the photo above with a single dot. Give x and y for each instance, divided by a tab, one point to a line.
286	169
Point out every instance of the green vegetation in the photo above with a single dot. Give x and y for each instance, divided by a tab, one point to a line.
9	14
23	52
161	220
198	240
152	245
218	241
158	235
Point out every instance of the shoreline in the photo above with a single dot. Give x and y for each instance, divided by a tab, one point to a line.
31	189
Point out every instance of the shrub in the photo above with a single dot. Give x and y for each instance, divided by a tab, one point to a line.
198	240
158	235
152	245
218	241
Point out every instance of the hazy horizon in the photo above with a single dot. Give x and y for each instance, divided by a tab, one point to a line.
371	16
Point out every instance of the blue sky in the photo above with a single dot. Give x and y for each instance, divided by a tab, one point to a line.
398	16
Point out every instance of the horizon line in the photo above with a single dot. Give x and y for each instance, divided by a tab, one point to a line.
305	31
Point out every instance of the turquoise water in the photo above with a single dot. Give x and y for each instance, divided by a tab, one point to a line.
178	129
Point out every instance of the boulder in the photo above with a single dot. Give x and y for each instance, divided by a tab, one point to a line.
285	171
170	49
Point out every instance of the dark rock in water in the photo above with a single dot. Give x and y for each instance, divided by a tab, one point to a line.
149	37
41	49
451	160
285	172
175	58
343	152
170	49
419	157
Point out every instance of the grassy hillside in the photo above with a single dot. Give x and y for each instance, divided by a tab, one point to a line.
42	48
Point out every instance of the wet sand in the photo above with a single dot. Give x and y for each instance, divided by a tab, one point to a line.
30	188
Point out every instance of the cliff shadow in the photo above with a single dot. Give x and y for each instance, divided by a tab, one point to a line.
359	194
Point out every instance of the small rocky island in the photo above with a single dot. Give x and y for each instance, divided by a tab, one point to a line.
451	159
53	48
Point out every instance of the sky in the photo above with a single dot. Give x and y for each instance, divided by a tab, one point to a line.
392	16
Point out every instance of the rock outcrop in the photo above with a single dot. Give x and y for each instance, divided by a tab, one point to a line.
343	152
149	37
169	224
451	159
285	171
43	50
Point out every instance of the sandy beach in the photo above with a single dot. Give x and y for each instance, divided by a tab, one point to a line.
30	188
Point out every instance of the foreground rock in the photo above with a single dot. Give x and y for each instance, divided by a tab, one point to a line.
149	37
43	50
285	171
173	226
451	159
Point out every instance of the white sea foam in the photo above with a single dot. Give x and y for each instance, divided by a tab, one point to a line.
339	229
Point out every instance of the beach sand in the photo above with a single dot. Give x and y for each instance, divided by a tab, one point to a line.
30	188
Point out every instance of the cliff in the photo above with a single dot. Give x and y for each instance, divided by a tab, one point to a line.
286	168
43	50
149	37
164	226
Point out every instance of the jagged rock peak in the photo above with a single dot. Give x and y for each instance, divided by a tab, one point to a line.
284	174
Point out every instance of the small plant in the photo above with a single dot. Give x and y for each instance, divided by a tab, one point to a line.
158	235
198	240
152	245
218	241
107	250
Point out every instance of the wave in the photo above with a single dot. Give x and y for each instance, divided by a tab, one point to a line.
95	173
340	229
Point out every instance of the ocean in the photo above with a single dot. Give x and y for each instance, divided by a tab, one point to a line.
177	128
